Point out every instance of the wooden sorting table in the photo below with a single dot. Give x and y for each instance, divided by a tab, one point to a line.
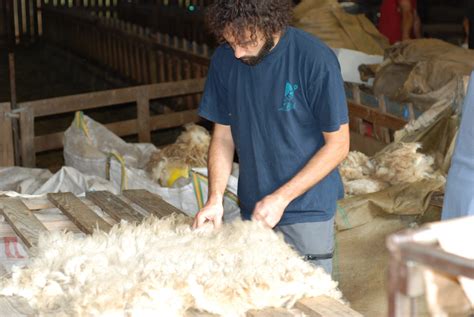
131	206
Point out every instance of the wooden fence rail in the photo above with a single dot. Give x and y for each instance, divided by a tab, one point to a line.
145	123
23	18
142	125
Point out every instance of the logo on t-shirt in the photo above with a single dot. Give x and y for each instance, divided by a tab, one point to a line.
289	100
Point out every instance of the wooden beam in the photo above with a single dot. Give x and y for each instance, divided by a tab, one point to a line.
123	128
28	153
78	212
7	157
46	107
143	119
23	222
325	306
114	206
174	119
375	116
271	312
151	202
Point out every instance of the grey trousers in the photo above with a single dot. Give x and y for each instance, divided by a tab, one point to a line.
313	240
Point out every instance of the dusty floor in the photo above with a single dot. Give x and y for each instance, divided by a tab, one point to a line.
362	262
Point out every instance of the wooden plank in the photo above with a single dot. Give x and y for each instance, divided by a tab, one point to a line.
27	135
143	118
122	128
382	131
174	119
7	157
153	66
41	203
137	57
46	107
34	204
114	206
78	212
324	306
196	313
161	67
23	222
151	202
272	312
169	68
375	116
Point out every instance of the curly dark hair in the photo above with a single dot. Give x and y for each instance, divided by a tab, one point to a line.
267	16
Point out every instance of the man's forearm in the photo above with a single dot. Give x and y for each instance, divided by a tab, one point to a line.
319	166
221	154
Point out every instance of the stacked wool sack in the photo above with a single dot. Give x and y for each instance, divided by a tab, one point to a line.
400	164
328	20
174	161
162	268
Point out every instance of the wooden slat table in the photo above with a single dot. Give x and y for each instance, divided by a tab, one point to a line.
23	222
114	206
20	215
151	202
81	215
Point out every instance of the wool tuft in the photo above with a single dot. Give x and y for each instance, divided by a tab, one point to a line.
162	268
189	150
401	163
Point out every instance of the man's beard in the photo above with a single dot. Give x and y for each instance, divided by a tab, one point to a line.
254	60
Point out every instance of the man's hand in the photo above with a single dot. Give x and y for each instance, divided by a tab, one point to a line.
213	212
269	210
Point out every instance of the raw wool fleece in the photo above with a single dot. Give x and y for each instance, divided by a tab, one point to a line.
403	164
162	268
399	164
189	150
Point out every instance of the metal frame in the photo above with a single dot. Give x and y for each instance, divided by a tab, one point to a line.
409	250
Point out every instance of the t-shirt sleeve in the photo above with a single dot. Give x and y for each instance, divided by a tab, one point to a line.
213	106
327	97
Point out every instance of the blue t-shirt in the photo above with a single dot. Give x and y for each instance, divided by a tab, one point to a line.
277	111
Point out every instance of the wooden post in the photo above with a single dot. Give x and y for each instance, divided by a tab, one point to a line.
143	118
6	141
40	5
411	112
35	28
12	75
187	75
382	132
28	154
152	65
161	67
356	96
169	64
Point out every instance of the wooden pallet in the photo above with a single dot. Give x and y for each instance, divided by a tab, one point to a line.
102	209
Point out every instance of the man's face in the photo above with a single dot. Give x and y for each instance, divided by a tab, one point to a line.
249	51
